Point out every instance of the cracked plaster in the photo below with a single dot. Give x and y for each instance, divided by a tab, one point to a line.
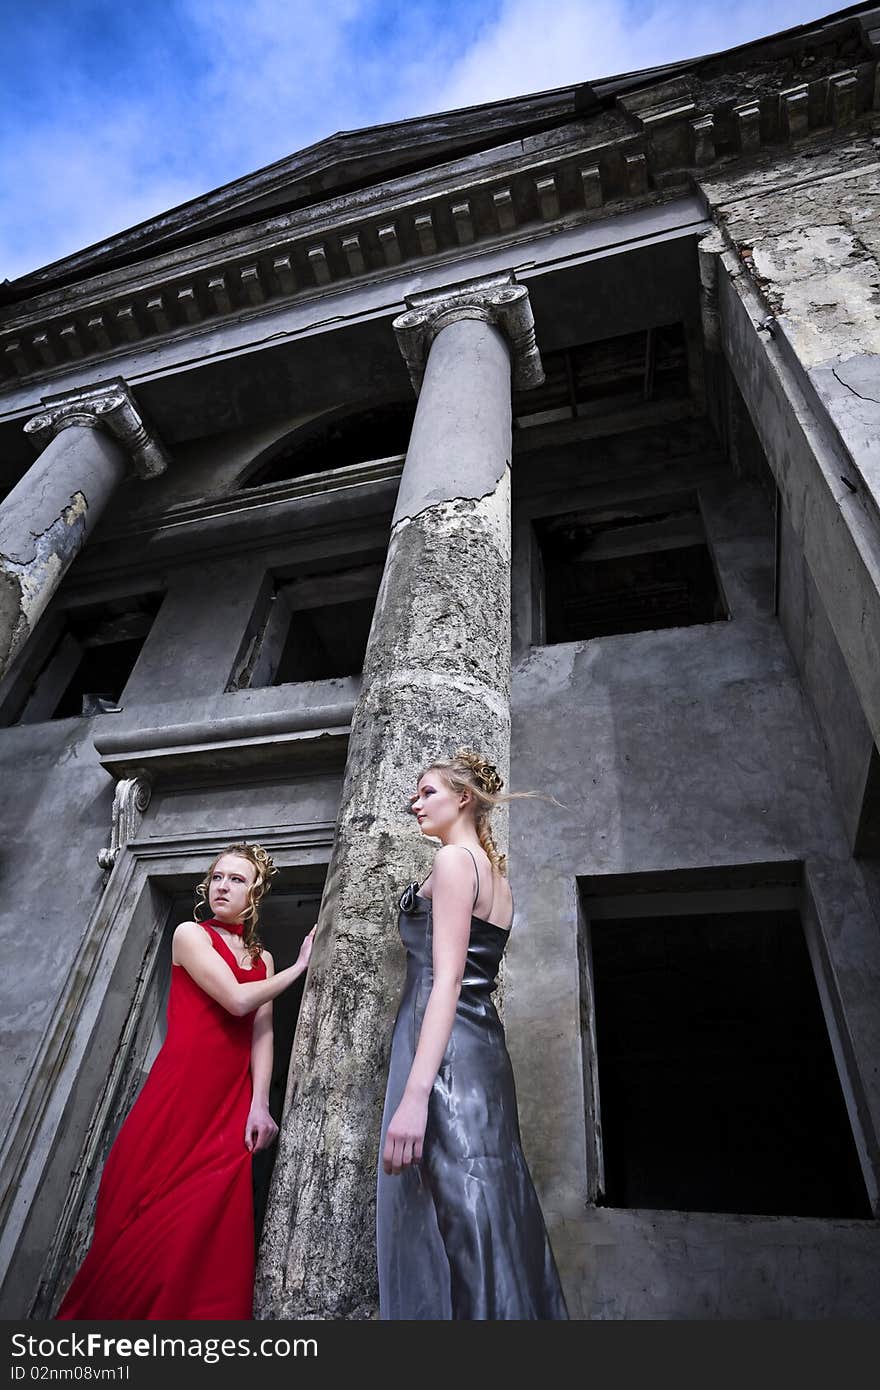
807	229
28	585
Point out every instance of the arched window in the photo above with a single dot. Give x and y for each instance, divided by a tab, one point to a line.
376	432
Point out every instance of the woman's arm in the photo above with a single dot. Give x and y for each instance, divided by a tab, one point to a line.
452	883
261	1130
192	949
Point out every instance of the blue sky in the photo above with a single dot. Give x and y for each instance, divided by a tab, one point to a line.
115	110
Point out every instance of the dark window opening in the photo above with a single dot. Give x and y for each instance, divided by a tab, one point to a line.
286	915
326	642
635	567
314	627
382	431
285	919
89	663
717	1083
649	365
868	830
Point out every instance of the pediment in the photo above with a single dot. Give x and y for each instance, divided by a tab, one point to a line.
342	163
680	115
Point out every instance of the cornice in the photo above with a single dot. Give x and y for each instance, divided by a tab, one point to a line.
248	501
348	519
657	139
339	165
269	743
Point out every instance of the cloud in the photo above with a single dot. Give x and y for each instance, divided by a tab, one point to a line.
530	48
75	184
117	114
273	74
106	129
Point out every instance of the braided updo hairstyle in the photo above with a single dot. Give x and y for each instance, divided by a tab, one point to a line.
264	867
469	771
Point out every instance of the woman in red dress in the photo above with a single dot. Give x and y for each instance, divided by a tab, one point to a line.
174	1221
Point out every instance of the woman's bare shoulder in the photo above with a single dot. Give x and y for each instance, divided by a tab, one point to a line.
451	862
189	930
187	936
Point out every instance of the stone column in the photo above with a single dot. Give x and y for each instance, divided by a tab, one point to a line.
90	440
436	675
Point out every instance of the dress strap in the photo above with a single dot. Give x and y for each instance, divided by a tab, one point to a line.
477	872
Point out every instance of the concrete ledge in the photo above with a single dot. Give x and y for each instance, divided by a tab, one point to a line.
244	501
635	1264
273	741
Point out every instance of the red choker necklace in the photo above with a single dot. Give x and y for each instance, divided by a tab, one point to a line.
234	928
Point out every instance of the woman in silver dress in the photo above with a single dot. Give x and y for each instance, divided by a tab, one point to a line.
459	1229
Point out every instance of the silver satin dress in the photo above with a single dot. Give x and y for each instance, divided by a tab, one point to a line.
461	1234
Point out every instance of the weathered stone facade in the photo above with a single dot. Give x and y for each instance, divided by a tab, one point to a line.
632	549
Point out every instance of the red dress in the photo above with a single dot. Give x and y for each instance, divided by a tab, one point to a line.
174	1221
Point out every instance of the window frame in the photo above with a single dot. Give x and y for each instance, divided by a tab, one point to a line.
677	498
287	590
18	686
783	885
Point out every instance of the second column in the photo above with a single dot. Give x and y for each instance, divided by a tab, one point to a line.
436	676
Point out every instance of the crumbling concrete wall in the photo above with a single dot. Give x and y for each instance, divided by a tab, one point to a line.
681	748
806	224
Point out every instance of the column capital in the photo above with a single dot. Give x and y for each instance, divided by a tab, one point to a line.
109	407
495	299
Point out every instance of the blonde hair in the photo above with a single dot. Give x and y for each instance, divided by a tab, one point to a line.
469	771
264	869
